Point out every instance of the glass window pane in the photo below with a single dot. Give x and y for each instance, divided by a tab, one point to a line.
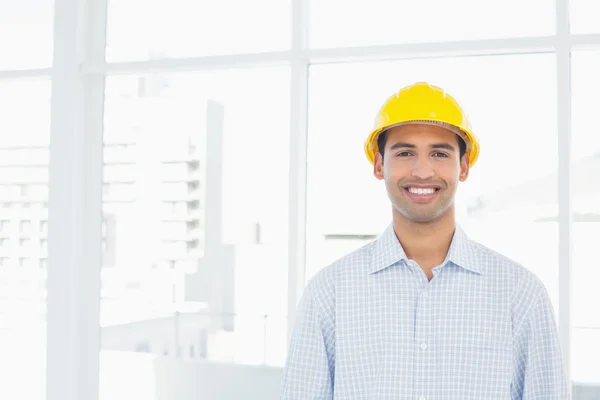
501	94
29	156
586	225
26	31
585	15
119	173
25	132
180	266
339	23
25	99
141	30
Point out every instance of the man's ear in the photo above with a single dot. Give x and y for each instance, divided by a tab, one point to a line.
378	166
464	167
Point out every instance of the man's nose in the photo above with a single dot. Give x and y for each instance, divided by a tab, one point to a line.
422	168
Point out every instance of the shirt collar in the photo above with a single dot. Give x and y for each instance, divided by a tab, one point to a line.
388	251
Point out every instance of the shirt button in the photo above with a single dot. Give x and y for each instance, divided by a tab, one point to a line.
422	398
423	346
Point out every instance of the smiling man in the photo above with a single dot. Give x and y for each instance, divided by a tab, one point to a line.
424	312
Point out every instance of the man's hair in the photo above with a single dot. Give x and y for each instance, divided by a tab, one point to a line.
382	139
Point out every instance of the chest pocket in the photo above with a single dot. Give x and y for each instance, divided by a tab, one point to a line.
476	346
480	372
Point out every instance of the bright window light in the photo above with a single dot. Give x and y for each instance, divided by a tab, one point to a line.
142	30
341	23
26	34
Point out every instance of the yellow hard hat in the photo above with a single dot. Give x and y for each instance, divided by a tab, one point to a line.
424	104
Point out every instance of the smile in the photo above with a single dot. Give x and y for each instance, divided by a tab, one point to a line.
422	190
422	195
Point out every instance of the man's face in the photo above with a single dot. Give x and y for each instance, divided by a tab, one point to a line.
421	168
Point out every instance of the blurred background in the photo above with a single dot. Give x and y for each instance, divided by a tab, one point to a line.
172	173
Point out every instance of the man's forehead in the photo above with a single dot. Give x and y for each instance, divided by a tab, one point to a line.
421	135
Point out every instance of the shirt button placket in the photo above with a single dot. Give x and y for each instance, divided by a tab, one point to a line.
423	330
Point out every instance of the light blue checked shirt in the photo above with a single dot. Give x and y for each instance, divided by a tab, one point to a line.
372	326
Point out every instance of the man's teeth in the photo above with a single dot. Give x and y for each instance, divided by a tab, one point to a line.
421	191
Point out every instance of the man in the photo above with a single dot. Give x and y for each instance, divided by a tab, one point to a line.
423	312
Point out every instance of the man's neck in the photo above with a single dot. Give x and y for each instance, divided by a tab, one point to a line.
425	243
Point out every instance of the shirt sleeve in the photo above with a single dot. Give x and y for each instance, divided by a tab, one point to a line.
309	369
539	371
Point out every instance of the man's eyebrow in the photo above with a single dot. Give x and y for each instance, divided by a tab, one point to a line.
445	146
402	145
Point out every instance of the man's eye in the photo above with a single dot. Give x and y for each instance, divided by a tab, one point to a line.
438	154
403	154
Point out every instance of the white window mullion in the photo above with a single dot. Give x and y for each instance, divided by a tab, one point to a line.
25	74
471	48
75	203
298	159
563	54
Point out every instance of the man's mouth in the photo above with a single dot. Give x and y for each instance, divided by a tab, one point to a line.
422	190
422	194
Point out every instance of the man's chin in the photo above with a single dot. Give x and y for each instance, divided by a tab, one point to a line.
421	218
